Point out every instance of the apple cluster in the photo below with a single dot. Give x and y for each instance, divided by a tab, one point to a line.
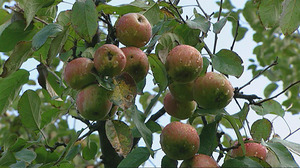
93	101
188	88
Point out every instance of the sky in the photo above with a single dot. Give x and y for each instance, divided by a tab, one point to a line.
244	48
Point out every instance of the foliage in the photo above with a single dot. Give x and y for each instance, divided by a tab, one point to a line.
34	128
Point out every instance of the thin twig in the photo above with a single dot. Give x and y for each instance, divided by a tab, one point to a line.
22	11
216	34
250	98
291	133
236	34
261	72
205	14
206	49
177	11
56	145
264	100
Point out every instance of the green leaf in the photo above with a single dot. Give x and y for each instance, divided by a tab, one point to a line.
290	16
84	19
120	10
135	158
152	14
152	103
67	150
270	89
57	44
29	110
30	9
284	156
8	91
228	62
242	115
292	146
7	158
159	72
245	162
90	151
208	139
233	124
139	119
14	33
26	155
166	43
73	152
20	54
189	36
4	16
119	135
209	111
269	12
200	22
269	107
18	145
40	37
48	116
44	156
241	31
261	129
167	162
218	26
19	164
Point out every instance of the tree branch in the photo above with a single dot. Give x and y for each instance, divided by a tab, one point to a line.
261	72
110	158
240	95
264	100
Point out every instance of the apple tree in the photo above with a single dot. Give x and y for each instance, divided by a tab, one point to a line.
94	65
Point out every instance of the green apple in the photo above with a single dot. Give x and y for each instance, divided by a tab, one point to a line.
179	141
78	73
179	109
212	91
137	65
133	29
109	60
184	63
93	102
182	91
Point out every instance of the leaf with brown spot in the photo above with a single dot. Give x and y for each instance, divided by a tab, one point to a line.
125	91
119	135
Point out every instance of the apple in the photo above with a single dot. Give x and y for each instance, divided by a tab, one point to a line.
133	29
179	109
137	64
252	149
184	63
93	102
179	141
78	73
182	91
199	160
212	91
109	60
